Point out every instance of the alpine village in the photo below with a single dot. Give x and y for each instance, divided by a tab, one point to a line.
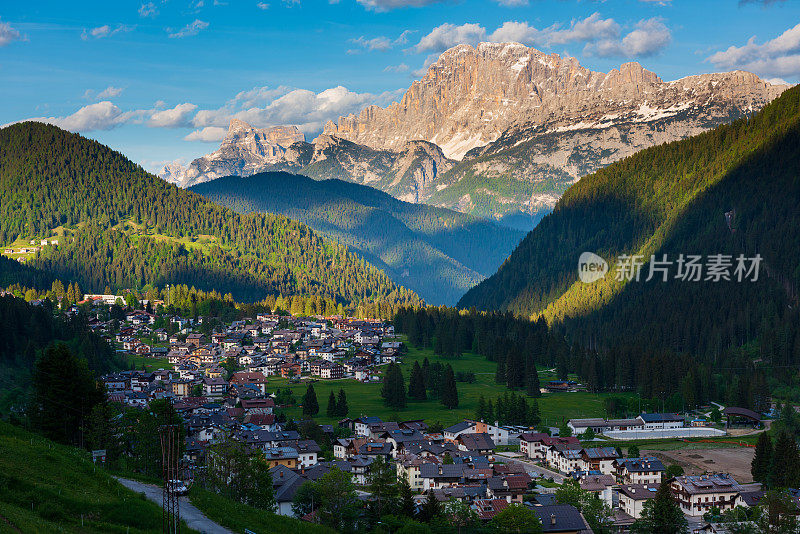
400	267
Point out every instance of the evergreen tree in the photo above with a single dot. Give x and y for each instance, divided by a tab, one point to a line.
382	485
480	411
63	385
431	509
331	410
406	505
532	385
416	383
500	372
661	515
760	466
533	414
310	404
785	462
342	408
449	390
489	414
394	390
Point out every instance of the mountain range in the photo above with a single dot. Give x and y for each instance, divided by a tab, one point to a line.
437	253
496	130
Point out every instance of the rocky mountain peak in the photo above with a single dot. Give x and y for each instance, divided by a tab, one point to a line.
245	150
470	95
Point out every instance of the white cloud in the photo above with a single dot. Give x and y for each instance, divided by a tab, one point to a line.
148	10
777	57
261	106
512	3
380	43
388	5
190	29
262	5
764	3
209	134
658	2
109	92
101	32
402	67
592	28
602	36
8	34
309	111
172	118
650	37
376	43
516	32
448	35
100	116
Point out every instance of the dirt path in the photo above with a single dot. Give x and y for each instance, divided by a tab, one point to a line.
191	514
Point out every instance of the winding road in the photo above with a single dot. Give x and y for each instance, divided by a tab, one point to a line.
193	517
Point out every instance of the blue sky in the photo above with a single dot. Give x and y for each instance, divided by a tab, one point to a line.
159	80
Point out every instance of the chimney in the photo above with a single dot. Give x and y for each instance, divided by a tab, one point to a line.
552	519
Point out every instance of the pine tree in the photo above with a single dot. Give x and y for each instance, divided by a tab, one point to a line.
760	466
533	414
394	390
661	515
426	373
431	509
310	404
416	383
341	404
406	505
785	466
500	372
331	410
480	411
489	414
449	390
532	385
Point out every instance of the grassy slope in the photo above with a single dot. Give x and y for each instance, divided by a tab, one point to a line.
239	517
365	399
45	487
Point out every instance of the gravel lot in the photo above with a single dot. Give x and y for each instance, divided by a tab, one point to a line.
733	460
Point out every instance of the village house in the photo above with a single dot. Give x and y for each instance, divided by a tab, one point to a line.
645	470
697	494
599	459
632	497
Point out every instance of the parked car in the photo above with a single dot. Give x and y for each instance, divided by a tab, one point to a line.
178	487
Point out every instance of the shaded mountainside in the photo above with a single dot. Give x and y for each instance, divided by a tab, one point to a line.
673	199
438	253
128	228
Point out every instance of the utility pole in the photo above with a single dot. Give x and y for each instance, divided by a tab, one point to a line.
170	514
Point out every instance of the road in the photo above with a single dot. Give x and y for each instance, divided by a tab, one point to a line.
532	469
194	518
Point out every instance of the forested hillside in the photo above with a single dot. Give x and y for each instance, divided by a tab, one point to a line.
27	330
730	191
436	252
126	228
